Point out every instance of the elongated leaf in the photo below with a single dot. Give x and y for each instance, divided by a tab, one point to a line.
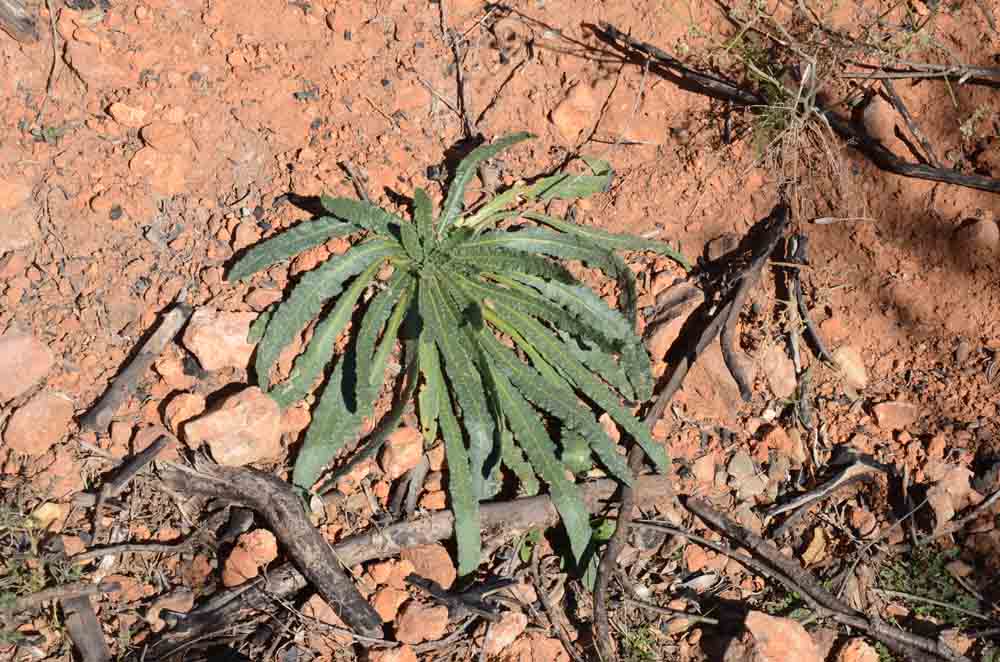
565	186
530	433
505	261
575	451
259	325
378	311
600	363
550	347
289	243
460	368
411	241
308	297
429	397
513	458
311	363
584	303
362	214
558	399
463	174
423	215
333	425
610	240
374	377
464	503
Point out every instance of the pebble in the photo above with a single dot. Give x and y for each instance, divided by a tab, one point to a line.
179	600
387	601
895	415
403	450
96	69
780	371
774	639
321	641
857	650
243	429
963	352
501	635
703	469
24	361
126	115
402	653
40	424
219	339
391	573
417	623
575	112
253	551
977	240
166	173
167	137
14	192
432	562
852	367
182	408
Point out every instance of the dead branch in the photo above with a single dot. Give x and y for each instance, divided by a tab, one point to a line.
100	415
282	508
64	592
85	630
255	600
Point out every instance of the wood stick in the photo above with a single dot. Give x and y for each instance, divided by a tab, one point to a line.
100	415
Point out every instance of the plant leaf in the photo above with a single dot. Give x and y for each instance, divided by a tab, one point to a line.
618	242
259	325
463	174
464	503
600	363
460	367
423	213
308	297
575	451
550	347
289	243
333	424
379	310
584	303
566	186
532	437
311	363
362	214
429	397
513	458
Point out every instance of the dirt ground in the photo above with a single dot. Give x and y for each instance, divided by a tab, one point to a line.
152	141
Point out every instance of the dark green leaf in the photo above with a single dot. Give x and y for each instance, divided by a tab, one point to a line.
423	212
289	243
362	214
464	503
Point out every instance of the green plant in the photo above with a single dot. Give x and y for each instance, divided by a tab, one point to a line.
923	573
498	334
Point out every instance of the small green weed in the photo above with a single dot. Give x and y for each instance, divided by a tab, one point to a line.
505	343
923	573
639	645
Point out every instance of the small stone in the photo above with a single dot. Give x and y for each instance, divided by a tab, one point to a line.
391	573
963	352
695	558
403	450
857	650
852	367
432	562
244	428
18	228
501	635
321	641
436	500
180	600
14	192
219	339
167	137
48	514
957	640
721	245
126	115
895	415
418	623
165	172
780	372
24	361
833	330
703	469
574	114
977	240
253	551
387	601
182	408
402	653
548	649
741	465
95	68
40	424
774	639
864	522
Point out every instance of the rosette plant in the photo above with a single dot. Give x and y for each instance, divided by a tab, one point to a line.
507	354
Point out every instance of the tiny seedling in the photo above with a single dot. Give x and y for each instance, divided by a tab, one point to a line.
512	353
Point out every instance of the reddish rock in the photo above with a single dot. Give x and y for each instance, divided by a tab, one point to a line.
24	361
501	635
432	562
165	172
244	428
391	573
703	469
695	558
40	424
773	639
852	367
219	339
418	623
575	114
403	450
976	240
95	68
180	600
780	371
895	415
167	137
399	654
436	500
126	115
387	601
547	649
323	641
856	650
182	408
18	228
253	551
14	192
